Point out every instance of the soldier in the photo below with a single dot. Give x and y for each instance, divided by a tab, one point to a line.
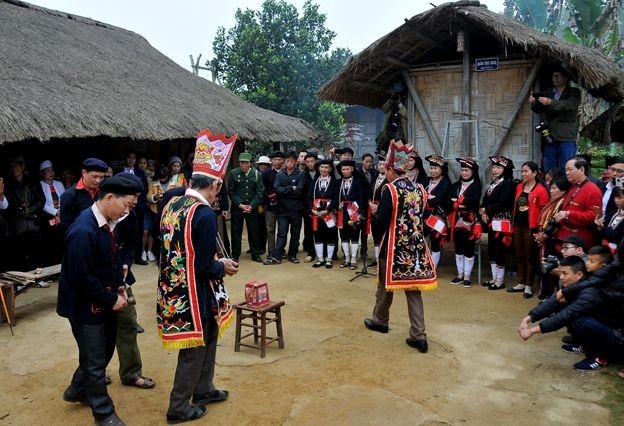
246	191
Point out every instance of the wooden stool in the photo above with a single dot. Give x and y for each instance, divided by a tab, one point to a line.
259	315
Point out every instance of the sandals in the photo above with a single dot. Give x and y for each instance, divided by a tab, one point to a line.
193	414
318	264
206	398
353	266
329	264
141	382
488	283
494	286
345	265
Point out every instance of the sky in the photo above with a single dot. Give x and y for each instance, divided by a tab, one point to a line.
188	27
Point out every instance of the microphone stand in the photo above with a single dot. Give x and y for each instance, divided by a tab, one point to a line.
364	271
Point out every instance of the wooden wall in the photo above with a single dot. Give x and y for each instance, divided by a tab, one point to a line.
493	94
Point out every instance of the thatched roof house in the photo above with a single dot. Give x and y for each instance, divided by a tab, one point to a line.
469	72
67	77
430	38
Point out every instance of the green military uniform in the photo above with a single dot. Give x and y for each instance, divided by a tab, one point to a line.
245	189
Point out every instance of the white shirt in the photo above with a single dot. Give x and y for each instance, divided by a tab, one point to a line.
49	204
101	220
606	196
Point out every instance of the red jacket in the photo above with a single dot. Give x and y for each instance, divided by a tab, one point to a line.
538	198
581	203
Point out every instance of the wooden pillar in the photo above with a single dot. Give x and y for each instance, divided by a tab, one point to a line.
466	94
420	107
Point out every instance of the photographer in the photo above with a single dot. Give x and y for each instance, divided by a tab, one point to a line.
396	121
557	108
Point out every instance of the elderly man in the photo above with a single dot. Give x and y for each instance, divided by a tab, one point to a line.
246	190
581	206
192	304
91	290
405	263
558	111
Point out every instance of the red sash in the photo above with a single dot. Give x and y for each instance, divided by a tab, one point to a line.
345	205
316	203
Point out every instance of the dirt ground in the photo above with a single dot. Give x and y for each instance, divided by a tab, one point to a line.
332	370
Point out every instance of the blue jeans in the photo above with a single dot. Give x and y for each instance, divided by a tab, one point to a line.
558	153
597	339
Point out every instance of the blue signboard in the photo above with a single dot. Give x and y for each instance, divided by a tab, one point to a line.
486	64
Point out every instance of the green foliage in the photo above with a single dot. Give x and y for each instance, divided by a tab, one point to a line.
533	13
278	59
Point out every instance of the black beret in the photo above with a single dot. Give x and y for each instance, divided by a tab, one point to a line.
94	165
344	150
122	184
344	163
279	154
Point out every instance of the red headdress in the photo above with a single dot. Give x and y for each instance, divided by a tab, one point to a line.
212	154
398	155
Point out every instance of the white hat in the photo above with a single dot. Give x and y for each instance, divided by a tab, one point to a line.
263	160
45	165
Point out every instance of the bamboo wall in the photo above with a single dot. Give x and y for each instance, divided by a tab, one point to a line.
493	94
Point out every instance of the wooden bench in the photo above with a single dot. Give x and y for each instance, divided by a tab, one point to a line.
258	325
14	283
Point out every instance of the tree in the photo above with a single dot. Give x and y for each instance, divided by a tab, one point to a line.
592	23
277	59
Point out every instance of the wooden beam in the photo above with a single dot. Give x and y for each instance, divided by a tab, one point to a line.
420	107
466	93
368	86
396	62
521	98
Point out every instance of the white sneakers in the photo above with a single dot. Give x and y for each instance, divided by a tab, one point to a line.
148	256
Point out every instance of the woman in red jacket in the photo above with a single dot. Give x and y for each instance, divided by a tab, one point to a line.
531	197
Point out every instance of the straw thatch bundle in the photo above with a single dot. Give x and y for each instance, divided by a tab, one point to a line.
608	126
430	39
64	76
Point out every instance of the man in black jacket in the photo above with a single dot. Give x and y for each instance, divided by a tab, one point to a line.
91	290
289	189
555	315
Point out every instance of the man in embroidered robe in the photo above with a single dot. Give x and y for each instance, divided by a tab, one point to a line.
405	262
192	305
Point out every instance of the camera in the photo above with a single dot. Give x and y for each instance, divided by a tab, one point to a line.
549	263
551	227
544	129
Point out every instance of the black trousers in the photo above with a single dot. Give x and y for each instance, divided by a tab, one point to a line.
308	239
285	221
96	345
238	219
195	371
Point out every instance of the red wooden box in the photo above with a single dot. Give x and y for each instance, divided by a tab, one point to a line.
257	294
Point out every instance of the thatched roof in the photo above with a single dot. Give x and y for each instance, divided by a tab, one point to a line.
430	39
607	127
64	76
